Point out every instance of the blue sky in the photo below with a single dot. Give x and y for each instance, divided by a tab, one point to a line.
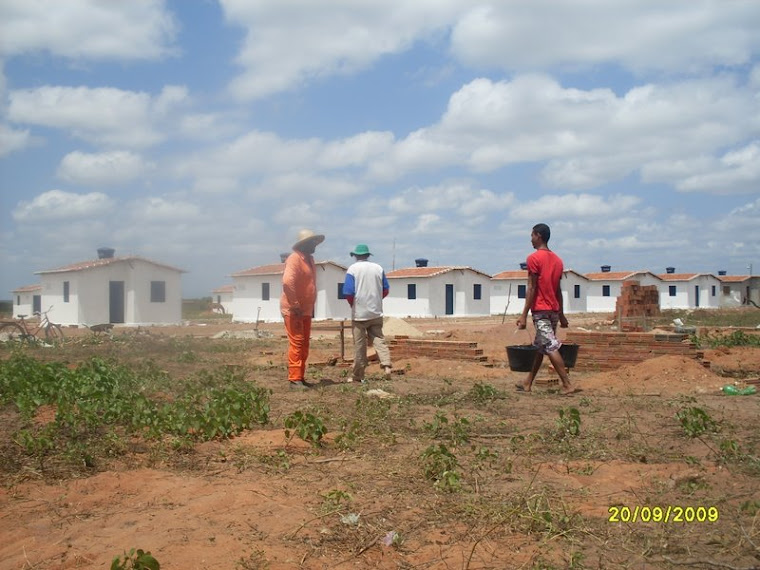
205	133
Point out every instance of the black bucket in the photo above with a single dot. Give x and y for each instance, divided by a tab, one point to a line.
569	354
521	357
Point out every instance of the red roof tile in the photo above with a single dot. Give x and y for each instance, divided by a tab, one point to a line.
521	274
28	288
279	268
84	265
611	275
734	278
224	289
678	276
428	271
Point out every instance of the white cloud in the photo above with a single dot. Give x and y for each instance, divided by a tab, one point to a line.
333	37
303	186
89	29
103	169
641	35
12	140
458	197
161	210
586	137
356	150
59	205
578	206
102	115
735	172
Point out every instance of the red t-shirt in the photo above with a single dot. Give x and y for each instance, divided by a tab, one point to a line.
547	265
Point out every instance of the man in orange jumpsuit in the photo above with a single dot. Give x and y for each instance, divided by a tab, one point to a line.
299	292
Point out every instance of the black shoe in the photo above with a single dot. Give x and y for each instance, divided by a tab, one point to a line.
299	385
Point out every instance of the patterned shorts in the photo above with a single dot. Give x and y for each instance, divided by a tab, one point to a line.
546	329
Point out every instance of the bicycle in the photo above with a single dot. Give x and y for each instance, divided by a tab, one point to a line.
23	330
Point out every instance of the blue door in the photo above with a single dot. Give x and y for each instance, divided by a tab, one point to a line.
696	295
449	299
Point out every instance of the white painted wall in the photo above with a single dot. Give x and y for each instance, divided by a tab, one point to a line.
88	302
224	298
504	295
248	302
23	303
431	295
570	303
686	293
597	303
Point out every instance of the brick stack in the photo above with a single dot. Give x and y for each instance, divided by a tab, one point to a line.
635	304
404	347
611	350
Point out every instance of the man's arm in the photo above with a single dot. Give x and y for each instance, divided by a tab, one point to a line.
386	286
349	289
289	285
530	296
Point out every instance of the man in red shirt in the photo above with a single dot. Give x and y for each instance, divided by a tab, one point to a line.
544	300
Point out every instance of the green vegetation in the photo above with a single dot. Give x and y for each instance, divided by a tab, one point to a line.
135	560
307	426
736	317
99	404
734	338
696	422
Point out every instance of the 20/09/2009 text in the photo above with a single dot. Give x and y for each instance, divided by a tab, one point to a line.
664	514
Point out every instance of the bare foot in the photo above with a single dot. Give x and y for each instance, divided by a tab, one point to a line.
570	389
522	387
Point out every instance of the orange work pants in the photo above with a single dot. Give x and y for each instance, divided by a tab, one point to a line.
299	331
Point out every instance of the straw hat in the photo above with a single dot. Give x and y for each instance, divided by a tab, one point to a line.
307	236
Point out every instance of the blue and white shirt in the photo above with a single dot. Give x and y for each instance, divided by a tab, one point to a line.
366	284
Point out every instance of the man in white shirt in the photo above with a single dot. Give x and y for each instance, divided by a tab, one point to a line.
365	288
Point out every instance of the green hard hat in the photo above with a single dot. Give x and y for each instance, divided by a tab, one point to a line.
361	249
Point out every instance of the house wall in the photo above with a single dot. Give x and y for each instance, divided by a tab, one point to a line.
396	304
504	296
329	305
569	303
89	302
23	303
740	292
145	312
224	299
247	297
597	303
248	305
686	293
431	295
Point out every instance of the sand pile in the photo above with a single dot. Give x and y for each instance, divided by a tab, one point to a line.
665	375
393	326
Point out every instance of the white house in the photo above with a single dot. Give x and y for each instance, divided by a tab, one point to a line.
575	287
128	290
604	287
27	300
222	297
509	289
257	292
438	292
689	290
736	290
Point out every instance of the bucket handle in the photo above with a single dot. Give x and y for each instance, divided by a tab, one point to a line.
530	338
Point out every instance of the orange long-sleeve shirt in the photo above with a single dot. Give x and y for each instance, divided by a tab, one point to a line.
299	284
